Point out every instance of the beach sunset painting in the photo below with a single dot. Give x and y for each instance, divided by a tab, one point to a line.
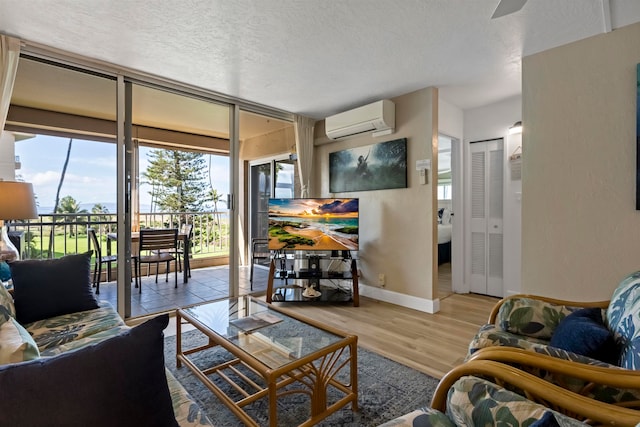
313	224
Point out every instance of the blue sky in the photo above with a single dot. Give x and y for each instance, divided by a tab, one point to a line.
91	173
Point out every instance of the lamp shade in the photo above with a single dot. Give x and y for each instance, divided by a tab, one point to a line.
17	201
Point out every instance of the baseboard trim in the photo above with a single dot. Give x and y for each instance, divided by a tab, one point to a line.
408	301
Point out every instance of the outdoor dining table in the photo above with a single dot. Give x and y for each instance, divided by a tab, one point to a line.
135	239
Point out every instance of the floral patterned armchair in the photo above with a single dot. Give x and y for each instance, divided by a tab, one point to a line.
526	331
469	395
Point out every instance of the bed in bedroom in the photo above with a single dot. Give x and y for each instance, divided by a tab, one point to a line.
444	236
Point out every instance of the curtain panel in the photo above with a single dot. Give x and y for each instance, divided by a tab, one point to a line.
9	55
303	128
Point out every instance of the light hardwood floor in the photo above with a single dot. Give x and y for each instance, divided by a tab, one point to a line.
431	343
444	280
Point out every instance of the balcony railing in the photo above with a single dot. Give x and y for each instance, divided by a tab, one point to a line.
56	235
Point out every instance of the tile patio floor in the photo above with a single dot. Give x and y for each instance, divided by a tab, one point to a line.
205	284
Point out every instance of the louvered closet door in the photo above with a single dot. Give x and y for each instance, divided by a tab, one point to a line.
485	242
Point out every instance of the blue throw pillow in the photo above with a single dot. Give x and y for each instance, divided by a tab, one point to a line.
120	381
52	287
547	420
5	272
583	332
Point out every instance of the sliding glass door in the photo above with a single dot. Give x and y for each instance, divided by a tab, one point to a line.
158	136
269	178
182	181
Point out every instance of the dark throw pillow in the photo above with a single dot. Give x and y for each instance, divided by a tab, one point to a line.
52	287
117	382
583	332
547	420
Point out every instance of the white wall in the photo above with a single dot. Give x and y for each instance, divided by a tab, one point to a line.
512	223
396	236
450	119
490	122
396	226
493	120
580	228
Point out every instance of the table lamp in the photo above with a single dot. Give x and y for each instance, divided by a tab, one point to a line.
16	202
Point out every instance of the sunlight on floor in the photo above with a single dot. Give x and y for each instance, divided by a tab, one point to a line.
205	284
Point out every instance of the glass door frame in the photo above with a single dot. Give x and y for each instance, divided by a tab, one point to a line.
132	180
124	156
272	161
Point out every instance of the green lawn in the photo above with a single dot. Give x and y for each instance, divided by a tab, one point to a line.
70	245
80	243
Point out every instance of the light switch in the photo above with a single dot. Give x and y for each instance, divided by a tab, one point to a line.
423	176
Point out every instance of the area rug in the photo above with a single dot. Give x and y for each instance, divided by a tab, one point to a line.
386	390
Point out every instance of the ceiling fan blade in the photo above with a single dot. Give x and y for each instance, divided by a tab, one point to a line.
507	7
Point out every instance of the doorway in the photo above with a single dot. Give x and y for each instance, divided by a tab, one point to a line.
272	177
445	214
269	178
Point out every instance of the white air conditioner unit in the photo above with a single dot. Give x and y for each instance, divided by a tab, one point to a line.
376	117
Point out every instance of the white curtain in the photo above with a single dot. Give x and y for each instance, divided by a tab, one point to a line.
9	54
303	128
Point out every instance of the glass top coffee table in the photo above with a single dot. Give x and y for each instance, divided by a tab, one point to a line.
271	354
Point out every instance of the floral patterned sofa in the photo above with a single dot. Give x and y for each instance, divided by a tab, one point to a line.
583	347
97	349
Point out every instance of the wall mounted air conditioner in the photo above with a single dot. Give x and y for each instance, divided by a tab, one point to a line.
379	116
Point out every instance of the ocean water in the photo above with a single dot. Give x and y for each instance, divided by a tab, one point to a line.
325	224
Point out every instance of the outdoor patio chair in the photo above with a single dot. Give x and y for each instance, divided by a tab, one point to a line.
259	251
185	230
99	259
156	246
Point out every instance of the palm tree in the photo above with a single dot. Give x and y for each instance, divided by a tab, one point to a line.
64	171
55	206
102	212
214	196
69	205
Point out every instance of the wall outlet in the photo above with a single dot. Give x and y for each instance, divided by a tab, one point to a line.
381	279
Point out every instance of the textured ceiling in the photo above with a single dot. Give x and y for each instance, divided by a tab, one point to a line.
317	57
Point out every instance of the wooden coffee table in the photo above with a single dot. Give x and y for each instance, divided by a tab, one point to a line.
271	354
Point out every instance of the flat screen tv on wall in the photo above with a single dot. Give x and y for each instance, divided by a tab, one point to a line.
313	224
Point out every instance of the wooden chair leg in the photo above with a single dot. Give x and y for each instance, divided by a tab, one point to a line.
175	278
166	272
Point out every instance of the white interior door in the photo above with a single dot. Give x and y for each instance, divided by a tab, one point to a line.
485	242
